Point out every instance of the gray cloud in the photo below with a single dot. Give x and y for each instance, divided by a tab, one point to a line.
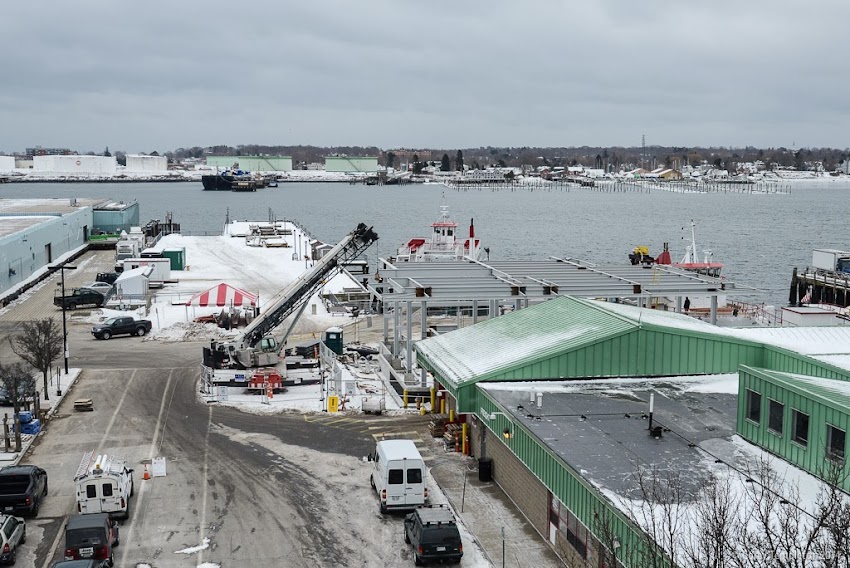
448	74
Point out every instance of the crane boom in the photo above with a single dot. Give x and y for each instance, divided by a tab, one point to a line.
288	300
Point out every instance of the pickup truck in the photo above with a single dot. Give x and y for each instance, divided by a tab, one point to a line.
22	488
121	325
79	297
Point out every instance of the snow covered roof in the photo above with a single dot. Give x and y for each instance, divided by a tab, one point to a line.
806	340
829	392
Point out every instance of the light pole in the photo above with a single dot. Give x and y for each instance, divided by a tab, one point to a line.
62	268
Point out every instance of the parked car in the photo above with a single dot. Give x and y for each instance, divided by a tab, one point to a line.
24	393
91	537
13	533
121	326
108	277
79	297
432	530
102	287
22	487
78	564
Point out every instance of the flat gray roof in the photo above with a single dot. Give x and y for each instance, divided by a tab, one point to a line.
47	206
438	282
600	427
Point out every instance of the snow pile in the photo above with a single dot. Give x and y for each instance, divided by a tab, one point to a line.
192	331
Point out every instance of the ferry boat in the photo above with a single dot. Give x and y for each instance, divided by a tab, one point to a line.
443	245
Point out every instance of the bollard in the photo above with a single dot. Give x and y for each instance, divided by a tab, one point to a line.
6	440
17	427
464	439
442	405
422	411
451	415
433	398
405	399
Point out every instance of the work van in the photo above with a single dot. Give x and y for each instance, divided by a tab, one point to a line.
104	484
398	475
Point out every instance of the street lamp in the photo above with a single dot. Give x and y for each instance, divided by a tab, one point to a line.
62	268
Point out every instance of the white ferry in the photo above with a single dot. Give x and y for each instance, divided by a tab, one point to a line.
443	245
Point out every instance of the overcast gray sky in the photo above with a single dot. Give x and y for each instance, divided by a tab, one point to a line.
154	75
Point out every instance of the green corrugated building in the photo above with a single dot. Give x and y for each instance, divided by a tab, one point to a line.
252	163
351	164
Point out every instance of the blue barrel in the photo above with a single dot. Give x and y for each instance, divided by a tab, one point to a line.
24	416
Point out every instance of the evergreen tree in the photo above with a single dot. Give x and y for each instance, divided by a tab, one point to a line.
106	153
459	161
445	164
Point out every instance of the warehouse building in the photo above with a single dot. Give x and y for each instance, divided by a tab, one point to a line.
75	164
112	217
37	232
558	401
143	163
7	163
252	163
352	164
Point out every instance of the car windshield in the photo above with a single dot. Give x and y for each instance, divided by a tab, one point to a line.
84	537
110	321
440	535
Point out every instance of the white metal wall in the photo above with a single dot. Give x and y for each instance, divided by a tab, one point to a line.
139	163
75	164
7	163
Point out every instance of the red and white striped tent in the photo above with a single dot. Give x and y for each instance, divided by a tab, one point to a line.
223	295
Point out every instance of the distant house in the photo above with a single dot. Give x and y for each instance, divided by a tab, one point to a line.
670	174
636	173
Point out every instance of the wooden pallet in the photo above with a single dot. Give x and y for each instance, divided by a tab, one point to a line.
84	405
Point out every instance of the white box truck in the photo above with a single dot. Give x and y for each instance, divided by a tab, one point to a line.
831	259
398	476
103	484
161	269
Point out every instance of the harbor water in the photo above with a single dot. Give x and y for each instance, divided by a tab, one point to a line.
759	237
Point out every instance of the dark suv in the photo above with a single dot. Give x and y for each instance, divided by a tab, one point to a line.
432	530
92	537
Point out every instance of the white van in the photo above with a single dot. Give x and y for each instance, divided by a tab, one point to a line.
104	484
399	475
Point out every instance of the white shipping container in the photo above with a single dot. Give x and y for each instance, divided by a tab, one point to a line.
7	163
133	283
141	163
827	259
161	268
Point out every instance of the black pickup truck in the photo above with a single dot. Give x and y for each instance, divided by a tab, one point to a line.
79	297
22	488
121	325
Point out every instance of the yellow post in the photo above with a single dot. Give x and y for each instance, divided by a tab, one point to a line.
422	410
405	399
464	441
433	399
442	405
451	415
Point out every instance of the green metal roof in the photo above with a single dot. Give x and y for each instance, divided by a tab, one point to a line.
830	392
545	330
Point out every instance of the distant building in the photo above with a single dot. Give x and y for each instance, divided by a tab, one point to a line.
39	151
351	164
252	163
142	163
7	163
670	175
64	164
23	163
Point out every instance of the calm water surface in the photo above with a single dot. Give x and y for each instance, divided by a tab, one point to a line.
759	237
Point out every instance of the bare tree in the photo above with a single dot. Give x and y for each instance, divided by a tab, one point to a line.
18	382
39	344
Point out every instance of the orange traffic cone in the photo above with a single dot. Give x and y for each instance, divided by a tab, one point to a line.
147	474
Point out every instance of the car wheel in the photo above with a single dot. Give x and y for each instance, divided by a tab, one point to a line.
105	335
417	560
383	509
13	557
35	508
72	306
406	537
45	488
372	482
24	536
111	561
132	487
140	331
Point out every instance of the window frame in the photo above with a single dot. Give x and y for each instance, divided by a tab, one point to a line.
771	404
795	416
751	394
830	453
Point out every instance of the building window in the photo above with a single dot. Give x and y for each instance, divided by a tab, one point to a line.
835	438
775	416
801	427
753	406
573	530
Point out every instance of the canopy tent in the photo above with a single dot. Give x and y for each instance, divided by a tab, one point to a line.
223	295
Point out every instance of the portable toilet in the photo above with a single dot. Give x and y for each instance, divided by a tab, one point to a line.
333	339
177	257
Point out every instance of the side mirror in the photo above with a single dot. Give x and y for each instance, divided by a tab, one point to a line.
130	470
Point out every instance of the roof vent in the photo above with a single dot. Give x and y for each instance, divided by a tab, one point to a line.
539	400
